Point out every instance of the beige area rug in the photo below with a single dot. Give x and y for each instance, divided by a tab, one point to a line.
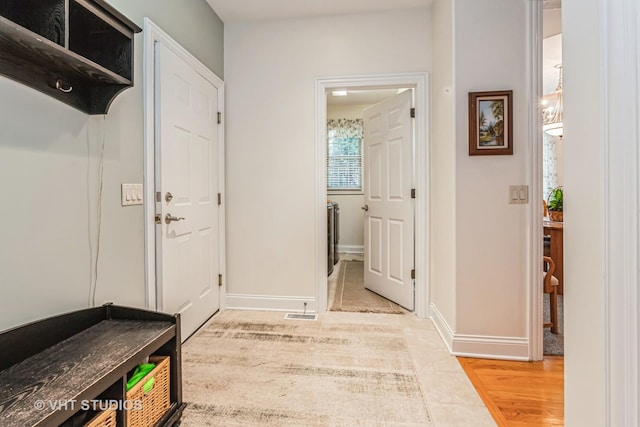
279	372
351	295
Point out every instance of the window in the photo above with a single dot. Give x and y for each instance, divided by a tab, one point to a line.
344	155
344	164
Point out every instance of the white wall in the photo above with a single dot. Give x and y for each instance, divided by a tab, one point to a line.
49	157
601	52
479	242
584	239
271	225
351	222
443	165
346	111
47	152
491	235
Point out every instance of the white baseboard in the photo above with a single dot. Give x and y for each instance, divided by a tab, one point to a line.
490	347
351	249
270	303
481	346
443	328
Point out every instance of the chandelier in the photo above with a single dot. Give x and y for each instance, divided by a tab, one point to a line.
552	109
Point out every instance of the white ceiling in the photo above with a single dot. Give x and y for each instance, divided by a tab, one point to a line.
255	10
551	21
361	97
552	44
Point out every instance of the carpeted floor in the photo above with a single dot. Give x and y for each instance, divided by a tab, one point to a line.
248	368
351	295
553	345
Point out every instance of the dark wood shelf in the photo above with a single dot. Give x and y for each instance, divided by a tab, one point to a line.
45	18
88	360
85	65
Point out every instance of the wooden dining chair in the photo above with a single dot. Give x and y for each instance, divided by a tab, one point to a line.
550	286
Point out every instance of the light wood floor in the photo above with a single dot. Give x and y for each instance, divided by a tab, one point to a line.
520	393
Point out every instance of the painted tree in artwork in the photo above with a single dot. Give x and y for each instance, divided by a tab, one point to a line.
482	121
497	109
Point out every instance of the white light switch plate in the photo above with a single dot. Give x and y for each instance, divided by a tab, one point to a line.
132	194
518	194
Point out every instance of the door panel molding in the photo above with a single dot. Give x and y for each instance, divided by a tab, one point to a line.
420	82
186	251
153	35
396	137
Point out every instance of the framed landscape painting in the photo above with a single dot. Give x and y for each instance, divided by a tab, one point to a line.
490	123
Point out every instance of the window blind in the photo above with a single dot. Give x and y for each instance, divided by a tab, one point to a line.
344	154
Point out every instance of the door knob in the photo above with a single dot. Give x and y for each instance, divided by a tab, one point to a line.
168	197
365	208
168	218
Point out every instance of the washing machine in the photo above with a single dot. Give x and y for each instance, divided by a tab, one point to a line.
336	231
330	239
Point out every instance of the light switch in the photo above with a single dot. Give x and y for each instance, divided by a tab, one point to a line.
132	194
518	194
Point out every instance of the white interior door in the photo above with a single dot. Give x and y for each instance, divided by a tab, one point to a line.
388	179
187	183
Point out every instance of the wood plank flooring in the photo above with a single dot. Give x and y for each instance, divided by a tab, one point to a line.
520	393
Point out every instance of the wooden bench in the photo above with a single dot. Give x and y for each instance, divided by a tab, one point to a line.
50	368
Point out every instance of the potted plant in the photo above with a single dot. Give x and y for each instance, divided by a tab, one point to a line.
555	204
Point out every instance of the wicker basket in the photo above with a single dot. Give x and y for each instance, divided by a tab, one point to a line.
103	419
156	401
555	216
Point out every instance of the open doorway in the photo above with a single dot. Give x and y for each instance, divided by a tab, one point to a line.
552	180
353	270
351	204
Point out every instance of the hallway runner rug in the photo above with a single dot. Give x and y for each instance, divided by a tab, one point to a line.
352	296
243	371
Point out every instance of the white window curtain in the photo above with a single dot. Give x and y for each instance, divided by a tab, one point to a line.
550	165
344	154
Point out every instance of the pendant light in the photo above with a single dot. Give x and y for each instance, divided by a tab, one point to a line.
552	113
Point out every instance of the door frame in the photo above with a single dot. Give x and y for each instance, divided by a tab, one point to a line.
534	94
152	35
420	82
